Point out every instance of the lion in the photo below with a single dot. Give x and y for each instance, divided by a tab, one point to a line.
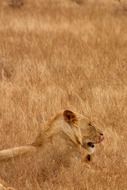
73	127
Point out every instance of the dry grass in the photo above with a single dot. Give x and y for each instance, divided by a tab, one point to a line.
15	3
56	54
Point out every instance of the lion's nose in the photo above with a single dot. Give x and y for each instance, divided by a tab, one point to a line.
101	134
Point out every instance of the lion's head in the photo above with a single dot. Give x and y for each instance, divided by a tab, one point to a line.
91	135
85	131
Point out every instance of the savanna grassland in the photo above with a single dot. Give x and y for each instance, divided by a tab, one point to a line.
58	54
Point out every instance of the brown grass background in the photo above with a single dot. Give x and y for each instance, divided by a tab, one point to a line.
57	54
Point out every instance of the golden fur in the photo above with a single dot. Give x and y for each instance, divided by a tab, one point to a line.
72	127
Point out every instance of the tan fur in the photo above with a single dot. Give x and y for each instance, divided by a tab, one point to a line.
71	126
11	153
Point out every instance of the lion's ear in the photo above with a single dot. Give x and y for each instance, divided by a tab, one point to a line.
70	117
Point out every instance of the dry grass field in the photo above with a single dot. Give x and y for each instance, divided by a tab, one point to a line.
58	54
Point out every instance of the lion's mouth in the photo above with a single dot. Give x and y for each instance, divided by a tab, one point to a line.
88	144
92	144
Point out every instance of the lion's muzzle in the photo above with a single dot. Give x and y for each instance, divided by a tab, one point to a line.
99	139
